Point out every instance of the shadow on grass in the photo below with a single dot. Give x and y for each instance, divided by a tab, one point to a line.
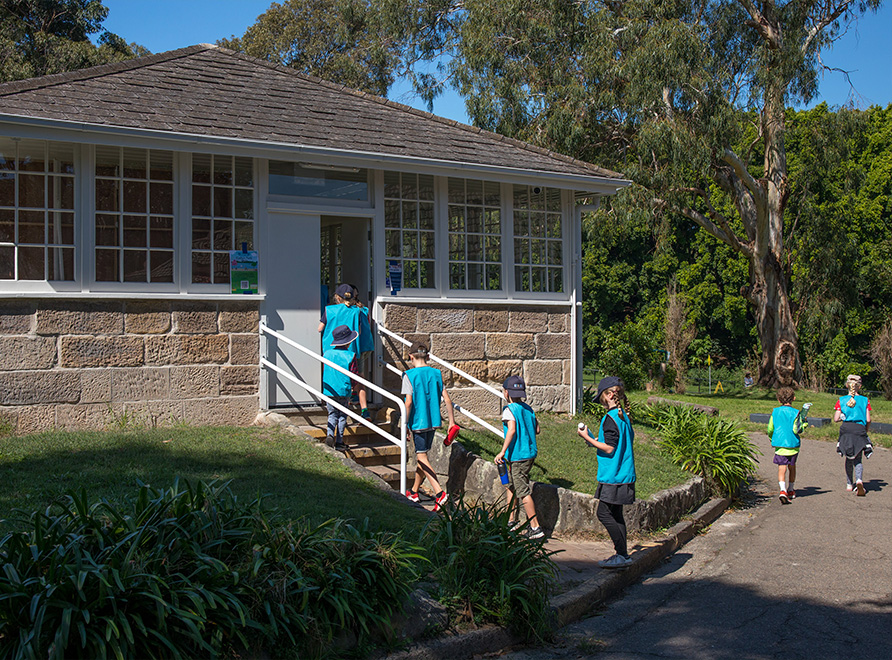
294	477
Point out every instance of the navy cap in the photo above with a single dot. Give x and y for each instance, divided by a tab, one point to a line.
342	336
606	383
515	387
345	291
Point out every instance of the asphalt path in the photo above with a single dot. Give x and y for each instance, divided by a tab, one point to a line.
808	580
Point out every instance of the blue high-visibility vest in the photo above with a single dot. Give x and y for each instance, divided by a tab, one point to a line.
427	388
618	467
523	446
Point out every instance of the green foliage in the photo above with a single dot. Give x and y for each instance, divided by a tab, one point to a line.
343	41
190	572
39	37
630	354
488	573
712	447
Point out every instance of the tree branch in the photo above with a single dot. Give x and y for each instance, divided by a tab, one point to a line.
713	229
765	29
755	188
829	15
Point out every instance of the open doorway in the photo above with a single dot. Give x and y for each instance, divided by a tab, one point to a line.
346	256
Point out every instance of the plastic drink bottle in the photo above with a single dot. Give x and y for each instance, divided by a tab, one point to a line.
503	472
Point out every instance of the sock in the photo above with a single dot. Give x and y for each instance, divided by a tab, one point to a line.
782	486
791	486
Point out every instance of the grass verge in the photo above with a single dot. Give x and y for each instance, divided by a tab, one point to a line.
565	460
295	477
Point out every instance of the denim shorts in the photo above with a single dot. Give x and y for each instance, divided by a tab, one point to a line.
423	440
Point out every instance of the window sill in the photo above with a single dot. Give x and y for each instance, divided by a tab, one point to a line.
105	295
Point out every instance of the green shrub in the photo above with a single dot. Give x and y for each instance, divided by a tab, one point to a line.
189	572
488	573
630	354
716	449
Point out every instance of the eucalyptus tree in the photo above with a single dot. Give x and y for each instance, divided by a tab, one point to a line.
38	37
686	97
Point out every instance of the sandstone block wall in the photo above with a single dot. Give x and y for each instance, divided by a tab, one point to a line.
90	365
489	343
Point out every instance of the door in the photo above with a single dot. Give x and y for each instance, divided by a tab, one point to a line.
292	305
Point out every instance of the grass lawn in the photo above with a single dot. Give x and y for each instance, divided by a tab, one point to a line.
294	476
565	460
738	407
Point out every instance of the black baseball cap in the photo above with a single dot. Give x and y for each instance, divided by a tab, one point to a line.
345	291
419	350
515	387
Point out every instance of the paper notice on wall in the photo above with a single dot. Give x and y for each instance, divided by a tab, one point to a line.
243	271
395	276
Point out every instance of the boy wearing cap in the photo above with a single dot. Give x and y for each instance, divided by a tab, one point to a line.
616	467
520	426
347	311
337	384
423	389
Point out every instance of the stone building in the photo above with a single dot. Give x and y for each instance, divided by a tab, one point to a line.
125	189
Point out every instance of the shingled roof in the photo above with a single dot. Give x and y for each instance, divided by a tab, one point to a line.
210	91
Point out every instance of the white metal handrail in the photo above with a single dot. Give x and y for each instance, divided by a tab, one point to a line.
454	369
400	442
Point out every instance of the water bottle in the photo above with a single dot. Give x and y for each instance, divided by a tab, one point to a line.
503	472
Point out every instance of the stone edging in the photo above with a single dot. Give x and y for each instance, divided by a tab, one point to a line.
572	605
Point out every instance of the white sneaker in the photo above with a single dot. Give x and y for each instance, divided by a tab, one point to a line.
616	561
535	533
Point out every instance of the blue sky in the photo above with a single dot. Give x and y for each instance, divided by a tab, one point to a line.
159	25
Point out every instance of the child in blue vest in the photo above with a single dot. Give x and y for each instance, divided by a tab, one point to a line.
784	427
337	384
520	427
347	311
853	410
616	467
423	389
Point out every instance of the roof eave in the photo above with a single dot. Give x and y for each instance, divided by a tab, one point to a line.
590	183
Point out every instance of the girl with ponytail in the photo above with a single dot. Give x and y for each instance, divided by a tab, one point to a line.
853	410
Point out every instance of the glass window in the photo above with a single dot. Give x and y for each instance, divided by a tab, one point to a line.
222	214
475	235
36	210
538	250
295	180
409	227
134	215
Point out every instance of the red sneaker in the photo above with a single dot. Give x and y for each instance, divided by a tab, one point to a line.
440	500
784	498
791	494
412	495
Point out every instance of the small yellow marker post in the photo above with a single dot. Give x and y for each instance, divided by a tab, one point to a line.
719	387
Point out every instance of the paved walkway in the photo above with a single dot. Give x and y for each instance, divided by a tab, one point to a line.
809	580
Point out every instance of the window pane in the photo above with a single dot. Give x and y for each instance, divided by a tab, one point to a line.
475	219
32	227
7	188
244	234
392	185
223	170
410	274
555	256
492	194
7	226
161	198
161	232
426	216
554	225
201	168
456	218
31	265
427	245
521	251
475	247
244	204
7	154
521	223
456	191
538	279
222	202
201	234
410	245
135	265
244	172
7	262
61	192
134	233
135	166
410	215
31	190
108	161
134	196
409	188
475	277
556	277
537	224
493	249
492	222
391	214
221	268
392	243
107	230
32	158
161	266
201	267
61	265
107	195
107	265
201	200
425	186
61	228
474	192
493	277
426	275
223	235
553	199
457	276
161	165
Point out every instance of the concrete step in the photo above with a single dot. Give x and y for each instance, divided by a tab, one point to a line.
375	452
353	434
392	475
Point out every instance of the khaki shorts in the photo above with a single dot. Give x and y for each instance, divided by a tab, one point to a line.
520	477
